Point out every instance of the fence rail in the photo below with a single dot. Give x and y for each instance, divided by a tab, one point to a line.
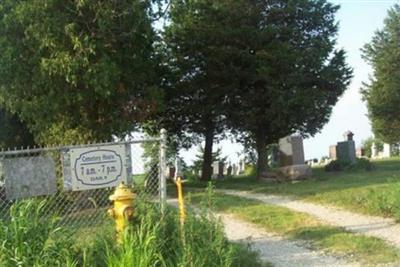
28	150
59	176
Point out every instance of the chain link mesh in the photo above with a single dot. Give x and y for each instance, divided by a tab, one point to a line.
75	209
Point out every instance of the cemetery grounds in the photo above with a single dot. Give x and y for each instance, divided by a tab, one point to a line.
372	193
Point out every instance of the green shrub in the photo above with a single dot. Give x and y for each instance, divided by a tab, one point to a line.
335	166
338	165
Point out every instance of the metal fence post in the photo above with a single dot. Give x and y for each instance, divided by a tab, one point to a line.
162	178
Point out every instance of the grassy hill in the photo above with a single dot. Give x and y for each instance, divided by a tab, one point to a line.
374	192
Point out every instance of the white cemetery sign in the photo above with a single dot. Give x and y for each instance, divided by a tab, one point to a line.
98	167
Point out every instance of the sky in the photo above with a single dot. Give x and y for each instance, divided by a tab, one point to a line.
358	21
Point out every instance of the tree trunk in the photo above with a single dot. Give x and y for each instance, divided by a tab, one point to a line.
207	156
262	154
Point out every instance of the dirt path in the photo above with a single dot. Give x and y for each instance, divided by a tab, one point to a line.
383	228
276	249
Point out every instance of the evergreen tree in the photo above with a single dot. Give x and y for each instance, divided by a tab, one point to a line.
78	70
196	91
382	93
265	69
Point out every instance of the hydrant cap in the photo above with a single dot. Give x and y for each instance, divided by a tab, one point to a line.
122	192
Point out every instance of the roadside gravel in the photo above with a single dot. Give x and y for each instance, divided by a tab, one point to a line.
383	228
277	250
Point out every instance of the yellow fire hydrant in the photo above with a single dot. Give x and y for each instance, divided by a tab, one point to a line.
123	208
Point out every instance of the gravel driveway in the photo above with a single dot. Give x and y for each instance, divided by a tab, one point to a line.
273	248
383	228
276	249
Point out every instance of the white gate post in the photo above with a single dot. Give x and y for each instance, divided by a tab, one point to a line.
162	169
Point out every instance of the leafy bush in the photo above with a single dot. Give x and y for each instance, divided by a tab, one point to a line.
337	165
360	164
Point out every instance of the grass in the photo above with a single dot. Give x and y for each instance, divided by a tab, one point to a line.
376	192
296	225
31	237
28	240
138	179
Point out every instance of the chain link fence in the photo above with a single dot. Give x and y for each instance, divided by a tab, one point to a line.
75	182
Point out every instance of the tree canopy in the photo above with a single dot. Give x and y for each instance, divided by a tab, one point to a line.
13	132
197	86
382	92
367	145
76	70
264	69
295	75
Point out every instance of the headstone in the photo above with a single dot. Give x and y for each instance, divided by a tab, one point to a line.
221	169
291	159
225	172
387	151
229	170
296	172
241	166
171	172
178	169
273	157
235	169
215	169
360	152
333	152
291	151
28	177
346	151
374	151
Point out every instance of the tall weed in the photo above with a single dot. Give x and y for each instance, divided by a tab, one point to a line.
156	239
31	238
139	248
